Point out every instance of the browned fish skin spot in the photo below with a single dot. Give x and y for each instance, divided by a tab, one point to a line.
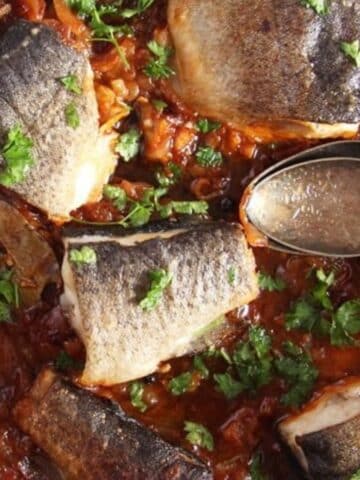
91	438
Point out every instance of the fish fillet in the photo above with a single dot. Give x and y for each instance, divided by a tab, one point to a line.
325	436
91	438
268	63
123	341
71	165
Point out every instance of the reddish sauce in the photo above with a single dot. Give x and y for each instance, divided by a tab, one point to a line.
239	426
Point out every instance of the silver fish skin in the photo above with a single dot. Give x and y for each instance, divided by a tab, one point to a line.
268	62
124	342
71	164
92	438
325	435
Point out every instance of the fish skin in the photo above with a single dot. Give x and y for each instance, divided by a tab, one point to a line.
333	453
92	438
124	342
266	61
324	435
67	171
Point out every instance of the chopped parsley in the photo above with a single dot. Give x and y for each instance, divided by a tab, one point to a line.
173	176
160	279
196	207
321	7
256	471
83	256
141	6
299	372
71	83
160	105
18	155
72	116
158	67
314	312
198	435
117	195
206	126
352	51
355	476
231	275
136	396
9	295
65	362
129	144
199	365
251	362
208	157
272	284
180	384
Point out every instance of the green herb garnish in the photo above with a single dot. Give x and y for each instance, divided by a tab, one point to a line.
9	295
355	476
256	472
83	256
227	384
72	116
160	105
18	156
231	275
129	144
208	157
321	7
141	6
299	372
160	279
180	384
272	284
198	435
65	362
352	50
345	323
205	126
173	177
200	366
158	67
71	83
136	396
117	195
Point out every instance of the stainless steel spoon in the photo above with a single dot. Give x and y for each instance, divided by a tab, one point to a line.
310	203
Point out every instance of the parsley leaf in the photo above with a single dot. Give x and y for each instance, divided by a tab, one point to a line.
160	279
272	284
173	177
18	156
141	6
231	275
117	195
230	387
71	83
198	435
321	7
197	207
345	323
355	476
256	472
299	372
180	384
205	126
9	295
158	68
72	116
200	366
65	362
160	105
83	256
352	50
129	144
136	395
208	157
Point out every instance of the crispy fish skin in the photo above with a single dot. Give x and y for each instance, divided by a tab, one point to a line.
325	436
71	165
91	438
123	341
268	61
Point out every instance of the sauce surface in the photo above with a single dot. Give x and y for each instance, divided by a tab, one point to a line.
241	426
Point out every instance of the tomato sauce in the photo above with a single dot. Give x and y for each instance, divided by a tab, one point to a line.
239	426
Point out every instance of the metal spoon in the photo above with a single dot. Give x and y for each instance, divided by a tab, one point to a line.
310	206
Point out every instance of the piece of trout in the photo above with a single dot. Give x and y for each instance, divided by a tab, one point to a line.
268	63
91	438
325	435
71	158
123	341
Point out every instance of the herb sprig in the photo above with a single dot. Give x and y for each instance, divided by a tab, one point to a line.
158	67
199	435
160	279
9	295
